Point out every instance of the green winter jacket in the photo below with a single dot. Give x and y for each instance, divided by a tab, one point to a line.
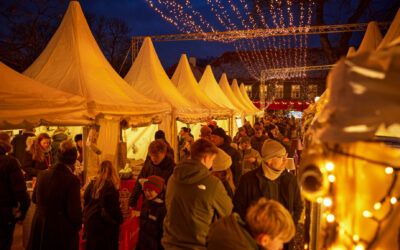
230	233
194	199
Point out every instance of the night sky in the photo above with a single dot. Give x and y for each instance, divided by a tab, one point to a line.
143	20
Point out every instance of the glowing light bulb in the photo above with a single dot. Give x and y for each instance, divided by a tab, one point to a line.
356	238
389	170
367	214
331	178
305	246
359	247
320	200
327	202
330	218
329	166
393	200
377	206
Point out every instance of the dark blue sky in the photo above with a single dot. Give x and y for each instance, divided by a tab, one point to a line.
145	21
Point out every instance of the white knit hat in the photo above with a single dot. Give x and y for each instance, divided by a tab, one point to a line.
222	161
271	149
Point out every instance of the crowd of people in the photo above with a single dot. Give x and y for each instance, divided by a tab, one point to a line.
220	192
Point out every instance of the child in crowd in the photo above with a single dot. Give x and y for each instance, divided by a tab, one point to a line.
152	214
268	226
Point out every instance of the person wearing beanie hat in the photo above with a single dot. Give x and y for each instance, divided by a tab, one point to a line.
13	193
270	181
221	140
249	158
58	215
152	214
221	170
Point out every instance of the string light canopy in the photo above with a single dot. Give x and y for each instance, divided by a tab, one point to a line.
259	53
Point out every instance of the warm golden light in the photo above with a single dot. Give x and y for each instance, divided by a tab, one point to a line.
331	178
393	200
330	218
359	247
377	206
330	166
356	238
327	202
389	170
367	214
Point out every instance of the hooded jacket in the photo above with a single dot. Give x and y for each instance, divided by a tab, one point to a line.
194	199
230	233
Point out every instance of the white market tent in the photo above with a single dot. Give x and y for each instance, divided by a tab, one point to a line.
73	62
392	36
210	87
187	85
372	38
238	94
247	98
352	51
148	77
224	85
26	102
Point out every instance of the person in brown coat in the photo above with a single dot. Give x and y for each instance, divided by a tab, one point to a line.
58	216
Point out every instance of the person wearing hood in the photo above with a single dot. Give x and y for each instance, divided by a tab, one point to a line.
267	226
271	181
158	163
58	216
221	140
14	198
38	156
58	136
194	198
221	170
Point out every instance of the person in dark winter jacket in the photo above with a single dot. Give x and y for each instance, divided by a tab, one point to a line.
58	137
249	158
268	225
58	216
257	140
102	213
152	215
160	135
14	199
270	181
194	199
157	164
221	170
220	139
19	144
38	156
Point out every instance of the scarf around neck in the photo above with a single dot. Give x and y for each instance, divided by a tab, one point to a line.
270	173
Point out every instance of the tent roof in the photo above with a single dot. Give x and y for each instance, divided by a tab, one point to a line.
372	38
149	78
73	62
351	51
393	34
210	87
364	94
26	102
238	94
187	85
224	85
247	98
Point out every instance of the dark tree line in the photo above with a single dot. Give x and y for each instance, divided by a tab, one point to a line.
27	26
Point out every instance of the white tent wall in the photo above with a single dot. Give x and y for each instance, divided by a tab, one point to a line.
138	140
393	33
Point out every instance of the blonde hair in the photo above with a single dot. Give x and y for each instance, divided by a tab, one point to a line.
271	218
106	173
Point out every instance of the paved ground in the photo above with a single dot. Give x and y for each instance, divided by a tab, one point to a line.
17	243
